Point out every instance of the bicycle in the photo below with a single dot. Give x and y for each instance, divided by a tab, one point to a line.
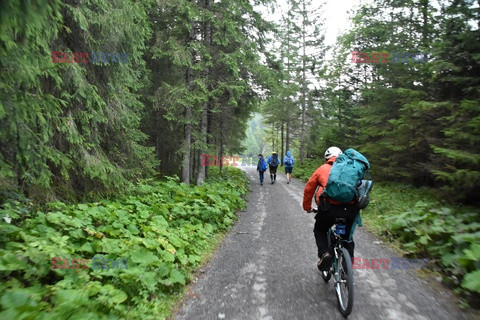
341	267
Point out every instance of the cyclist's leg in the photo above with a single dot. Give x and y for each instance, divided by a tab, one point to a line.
323	222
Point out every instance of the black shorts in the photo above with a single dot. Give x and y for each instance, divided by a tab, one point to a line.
273	170
288	170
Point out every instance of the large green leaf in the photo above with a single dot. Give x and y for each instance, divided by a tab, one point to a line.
143	256
10	261
471	281
177	277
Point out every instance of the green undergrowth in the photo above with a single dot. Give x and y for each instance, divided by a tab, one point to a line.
422	226
304	171
164	229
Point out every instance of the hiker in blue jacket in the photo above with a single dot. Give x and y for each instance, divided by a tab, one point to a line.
288	161
273	163
261	167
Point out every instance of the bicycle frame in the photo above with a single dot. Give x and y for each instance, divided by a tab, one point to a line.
341	268
336	253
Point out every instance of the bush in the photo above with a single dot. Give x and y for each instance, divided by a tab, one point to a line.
162	228
424	227
304	171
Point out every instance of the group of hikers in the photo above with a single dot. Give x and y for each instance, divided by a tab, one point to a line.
339	189
273	162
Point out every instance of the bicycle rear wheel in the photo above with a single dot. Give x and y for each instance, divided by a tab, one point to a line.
344	282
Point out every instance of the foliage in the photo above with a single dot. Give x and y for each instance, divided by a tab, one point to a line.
255	137
295	62
425	227
207	66
304	171
68	130
459	165
76	131
417	122
163	228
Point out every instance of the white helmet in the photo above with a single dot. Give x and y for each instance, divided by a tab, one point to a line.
332	152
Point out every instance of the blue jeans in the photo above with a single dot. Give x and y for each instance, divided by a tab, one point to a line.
261	175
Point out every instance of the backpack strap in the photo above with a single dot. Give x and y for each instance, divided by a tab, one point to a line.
324	199
357	221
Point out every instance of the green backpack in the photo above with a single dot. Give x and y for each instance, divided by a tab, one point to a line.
346	175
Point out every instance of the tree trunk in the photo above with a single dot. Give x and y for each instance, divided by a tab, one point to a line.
221	145
187	141
304	85
209	132
204	124
287	142
283	141
202	168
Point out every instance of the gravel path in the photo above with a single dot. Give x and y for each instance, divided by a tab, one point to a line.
266	269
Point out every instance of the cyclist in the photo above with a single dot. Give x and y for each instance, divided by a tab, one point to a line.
328	209
273	163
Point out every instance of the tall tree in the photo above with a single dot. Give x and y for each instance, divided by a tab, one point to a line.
222	57
75	122
312	51
456	79
206	38
415	119
299	55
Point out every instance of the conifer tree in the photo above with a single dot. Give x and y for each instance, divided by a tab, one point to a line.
456	159
75	123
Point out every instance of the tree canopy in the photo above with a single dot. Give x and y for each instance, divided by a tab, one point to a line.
181	78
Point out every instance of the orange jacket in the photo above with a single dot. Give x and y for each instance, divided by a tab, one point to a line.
318	179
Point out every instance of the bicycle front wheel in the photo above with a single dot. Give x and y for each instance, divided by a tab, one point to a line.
344	282
326	275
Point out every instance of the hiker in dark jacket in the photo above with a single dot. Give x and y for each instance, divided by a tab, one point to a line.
261	167
288	162
273	163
